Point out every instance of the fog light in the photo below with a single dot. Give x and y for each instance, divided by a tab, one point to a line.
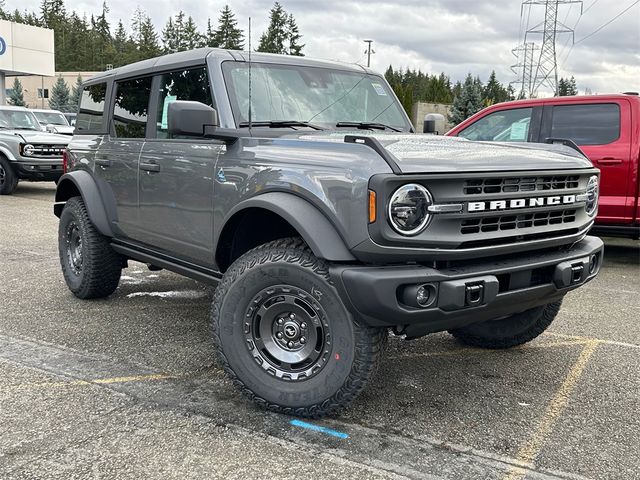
422	296
419	296
593	264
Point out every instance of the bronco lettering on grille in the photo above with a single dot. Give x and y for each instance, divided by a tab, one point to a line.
520	203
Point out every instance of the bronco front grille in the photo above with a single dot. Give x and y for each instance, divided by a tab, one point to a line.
519	184
514	222
49	151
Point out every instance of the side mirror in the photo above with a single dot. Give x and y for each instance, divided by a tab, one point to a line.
190	118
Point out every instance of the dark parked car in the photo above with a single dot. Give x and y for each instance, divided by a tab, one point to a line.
322	219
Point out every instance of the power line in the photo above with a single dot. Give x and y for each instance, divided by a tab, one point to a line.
609	22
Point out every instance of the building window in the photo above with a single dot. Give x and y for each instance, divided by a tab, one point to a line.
46	93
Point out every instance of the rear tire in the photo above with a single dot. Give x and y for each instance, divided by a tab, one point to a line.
284	336
511	331
8	177
91	268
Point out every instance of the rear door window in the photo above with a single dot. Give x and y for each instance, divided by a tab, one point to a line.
92	103
502	126
586	124
130	107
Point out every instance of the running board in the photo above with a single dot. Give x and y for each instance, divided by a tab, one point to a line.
174	265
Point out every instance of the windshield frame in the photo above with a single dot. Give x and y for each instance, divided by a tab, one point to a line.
226	65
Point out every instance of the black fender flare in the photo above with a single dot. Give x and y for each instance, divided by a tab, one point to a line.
312	225
82	181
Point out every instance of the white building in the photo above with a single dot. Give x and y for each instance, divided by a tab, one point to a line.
24	50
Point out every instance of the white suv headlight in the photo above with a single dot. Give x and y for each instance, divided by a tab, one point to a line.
408	209
28	150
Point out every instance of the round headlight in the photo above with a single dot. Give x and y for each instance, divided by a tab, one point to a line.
408	209
28	150
591	205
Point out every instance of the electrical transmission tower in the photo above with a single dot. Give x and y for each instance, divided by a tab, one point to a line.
546	70
525	55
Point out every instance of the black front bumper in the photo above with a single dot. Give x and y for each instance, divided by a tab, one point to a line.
472	292
47	171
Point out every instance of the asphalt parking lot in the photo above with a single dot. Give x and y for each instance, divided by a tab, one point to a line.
127	387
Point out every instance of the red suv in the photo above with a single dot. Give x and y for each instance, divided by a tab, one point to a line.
605	127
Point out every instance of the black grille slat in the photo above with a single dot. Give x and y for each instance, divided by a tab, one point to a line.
520	184
515	222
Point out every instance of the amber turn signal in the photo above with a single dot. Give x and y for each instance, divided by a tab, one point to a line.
372	206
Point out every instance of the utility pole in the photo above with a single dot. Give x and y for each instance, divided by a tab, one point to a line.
546	70
525	55
369	51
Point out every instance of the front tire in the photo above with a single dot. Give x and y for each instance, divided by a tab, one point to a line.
511	331
8	177
91	268
284	336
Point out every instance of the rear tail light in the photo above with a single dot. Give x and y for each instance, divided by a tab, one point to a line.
65	160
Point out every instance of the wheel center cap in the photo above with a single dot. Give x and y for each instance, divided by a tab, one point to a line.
291	330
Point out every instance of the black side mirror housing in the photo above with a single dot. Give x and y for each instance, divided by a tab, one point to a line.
190	118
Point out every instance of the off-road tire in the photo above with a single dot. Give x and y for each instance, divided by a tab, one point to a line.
98	274
354	349
511	331
8	177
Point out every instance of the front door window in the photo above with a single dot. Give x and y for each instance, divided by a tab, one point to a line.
502	126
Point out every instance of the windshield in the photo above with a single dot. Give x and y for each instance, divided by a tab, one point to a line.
51	118
18	119
310	94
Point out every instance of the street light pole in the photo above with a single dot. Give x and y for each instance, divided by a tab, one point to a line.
369	51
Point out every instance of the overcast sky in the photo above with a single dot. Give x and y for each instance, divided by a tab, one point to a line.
454	36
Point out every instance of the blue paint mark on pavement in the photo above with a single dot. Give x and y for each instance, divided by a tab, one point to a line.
318	428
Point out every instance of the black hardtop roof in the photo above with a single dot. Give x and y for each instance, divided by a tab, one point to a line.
199	57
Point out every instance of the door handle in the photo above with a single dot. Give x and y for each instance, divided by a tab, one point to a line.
150	167
610	161
103	162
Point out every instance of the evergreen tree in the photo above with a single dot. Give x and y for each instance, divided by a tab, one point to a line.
76	91
494	91
173	36
60	98
468	102
210	35
567	87
144	37
293	33
227	35
274	40
16	97
191	37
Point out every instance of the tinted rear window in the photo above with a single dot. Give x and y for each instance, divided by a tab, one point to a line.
91	114
131	107
594	124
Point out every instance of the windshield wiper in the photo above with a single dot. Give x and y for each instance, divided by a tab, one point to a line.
281	124
368	126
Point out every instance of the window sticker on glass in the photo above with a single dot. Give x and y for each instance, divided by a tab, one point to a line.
165	110
379	89
519	131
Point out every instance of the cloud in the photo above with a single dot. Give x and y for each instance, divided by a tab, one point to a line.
452	36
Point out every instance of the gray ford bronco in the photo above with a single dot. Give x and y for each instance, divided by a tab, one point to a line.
324	221
26	152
